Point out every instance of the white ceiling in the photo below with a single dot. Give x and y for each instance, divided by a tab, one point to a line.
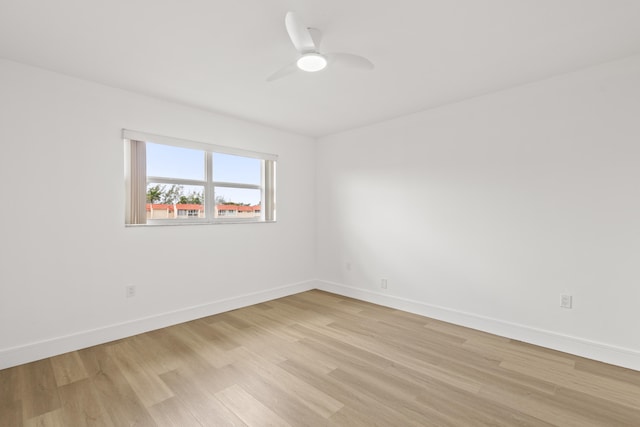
216	54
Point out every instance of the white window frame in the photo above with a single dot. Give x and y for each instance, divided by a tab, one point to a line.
136	181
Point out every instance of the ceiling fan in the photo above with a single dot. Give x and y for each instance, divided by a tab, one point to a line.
307	41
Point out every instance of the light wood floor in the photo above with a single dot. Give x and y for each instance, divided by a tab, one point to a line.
318	359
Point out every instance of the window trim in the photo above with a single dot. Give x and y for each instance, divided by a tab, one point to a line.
185	143
136	180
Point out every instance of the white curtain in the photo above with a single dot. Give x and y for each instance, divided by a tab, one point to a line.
270	190
136	182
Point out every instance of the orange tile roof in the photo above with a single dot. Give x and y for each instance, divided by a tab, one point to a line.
159	207
237	208
190	206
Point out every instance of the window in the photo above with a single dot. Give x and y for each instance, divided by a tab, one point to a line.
172	181
189	212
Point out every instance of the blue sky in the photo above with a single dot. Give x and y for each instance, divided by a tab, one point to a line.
177	162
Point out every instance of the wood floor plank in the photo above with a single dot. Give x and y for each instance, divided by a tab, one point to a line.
366	352
603	388
360	408
68	368
172	412
599	410
194	335
474	409
176	352
197	395
318	359
148	387
209	334
82	406
318	401
39	389
210	381
351	349
160	356
541	406
429	345
248	408
270	346
278	398
462	332
10	385
359	416
229	318
514	351
608	371
115	393
263	321
48	419
295	315
387	391
10	398
11	413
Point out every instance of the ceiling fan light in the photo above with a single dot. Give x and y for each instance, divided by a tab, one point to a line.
311	62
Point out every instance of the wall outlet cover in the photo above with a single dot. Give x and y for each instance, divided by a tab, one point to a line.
566	301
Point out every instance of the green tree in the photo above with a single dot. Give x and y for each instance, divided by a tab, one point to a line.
155	193
194	198
172	194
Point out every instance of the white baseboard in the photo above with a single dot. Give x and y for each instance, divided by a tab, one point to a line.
614	355
51	347
574	345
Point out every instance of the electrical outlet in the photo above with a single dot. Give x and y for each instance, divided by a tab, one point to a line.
566	301
130	291
383	283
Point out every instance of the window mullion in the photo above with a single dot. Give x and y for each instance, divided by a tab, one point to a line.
209	194
176	181
236	185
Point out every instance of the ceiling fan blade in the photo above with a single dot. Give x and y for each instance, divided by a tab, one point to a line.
350	60
316	36
299	34
283	72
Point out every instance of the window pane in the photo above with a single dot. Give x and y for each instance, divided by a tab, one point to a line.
174	162
237	203
167	201
243	170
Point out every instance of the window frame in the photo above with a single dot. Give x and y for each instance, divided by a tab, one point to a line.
136	181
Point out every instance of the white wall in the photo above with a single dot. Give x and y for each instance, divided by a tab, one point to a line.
63	275
485	211
481	213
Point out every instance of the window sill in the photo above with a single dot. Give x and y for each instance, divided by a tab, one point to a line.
173	223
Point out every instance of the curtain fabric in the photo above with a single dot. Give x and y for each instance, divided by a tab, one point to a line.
137	186
270	190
